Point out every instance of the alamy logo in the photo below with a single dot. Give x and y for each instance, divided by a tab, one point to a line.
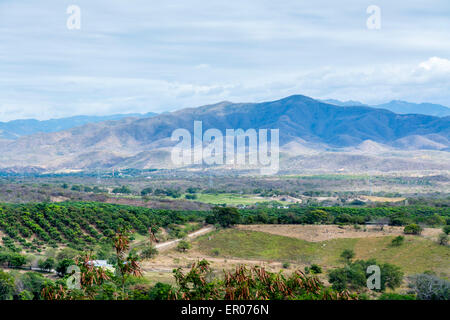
74	20
374	280
213	148
374	20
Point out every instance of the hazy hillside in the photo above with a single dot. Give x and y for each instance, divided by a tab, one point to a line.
17	128
145	142
400	107
404	107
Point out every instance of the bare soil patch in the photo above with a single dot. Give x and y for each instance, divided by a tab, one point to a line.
318	233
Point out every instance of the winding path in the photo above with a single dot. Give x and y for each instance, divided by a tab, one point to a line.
168	244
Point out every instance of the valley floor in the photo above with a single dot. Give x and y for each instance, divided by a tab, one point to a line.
292	247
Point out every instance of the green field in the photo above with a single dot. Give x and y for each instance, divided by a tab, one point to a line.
231	199
416	255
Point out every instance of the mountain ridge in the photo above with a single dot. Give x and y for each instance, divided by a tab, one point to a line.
14	129
143	142
400	107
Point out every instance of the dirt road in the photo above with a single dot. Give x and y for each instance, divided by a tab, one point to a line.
169	244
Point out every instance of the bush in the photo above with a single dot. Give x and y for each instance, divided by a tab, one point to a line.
17	260
443	239
316	269
7	286
398	241
33	283
47	264
317	217
26	295
286	265
146	191
412	229
161	291
396	296
183	246
225	217
63	265
122	190
149	252
354	276
348	255
446	229
429	287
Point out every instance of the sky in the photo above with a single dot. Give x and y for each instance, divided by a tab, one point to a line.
156	56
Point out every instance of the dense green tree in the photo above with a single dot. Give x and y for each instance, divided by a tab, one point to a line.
354	275
122	190
160	291
183	246
47	264
225	217
412	229
146	191
446	229
7	286
317	216
33	283
429	287
398	241
443	239
348	255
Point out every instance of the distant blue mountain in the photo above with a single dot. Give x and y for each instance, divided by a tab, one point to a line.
12	130
144	142
349	103
400	107
404	107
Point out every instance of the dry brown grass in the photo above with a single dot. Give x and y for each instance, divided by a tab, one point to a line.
318	233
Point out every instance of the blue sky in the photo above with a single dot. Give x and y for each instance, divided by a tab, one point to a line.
146	55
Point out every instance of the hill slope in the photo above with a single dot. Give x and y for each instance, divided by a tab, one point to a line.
17	128
400	107
140	142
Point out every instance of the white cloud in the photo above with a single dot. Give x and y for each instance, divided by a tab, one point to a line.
436	64
159	55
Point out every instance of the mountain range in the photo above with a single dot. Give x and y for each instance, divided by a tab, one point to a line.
400	107
14	129
309	129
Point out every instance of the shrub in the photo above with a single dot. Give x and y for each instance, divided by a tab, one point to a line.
412	229
7	286
354	275
63	265
146	191
348	255
429	287
33	282
316	269
47	264
398	241
443	239
161	291
317	217
183	246
286	265
149	252
396	296
446	229
122	190
76	188
225	217
25	295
